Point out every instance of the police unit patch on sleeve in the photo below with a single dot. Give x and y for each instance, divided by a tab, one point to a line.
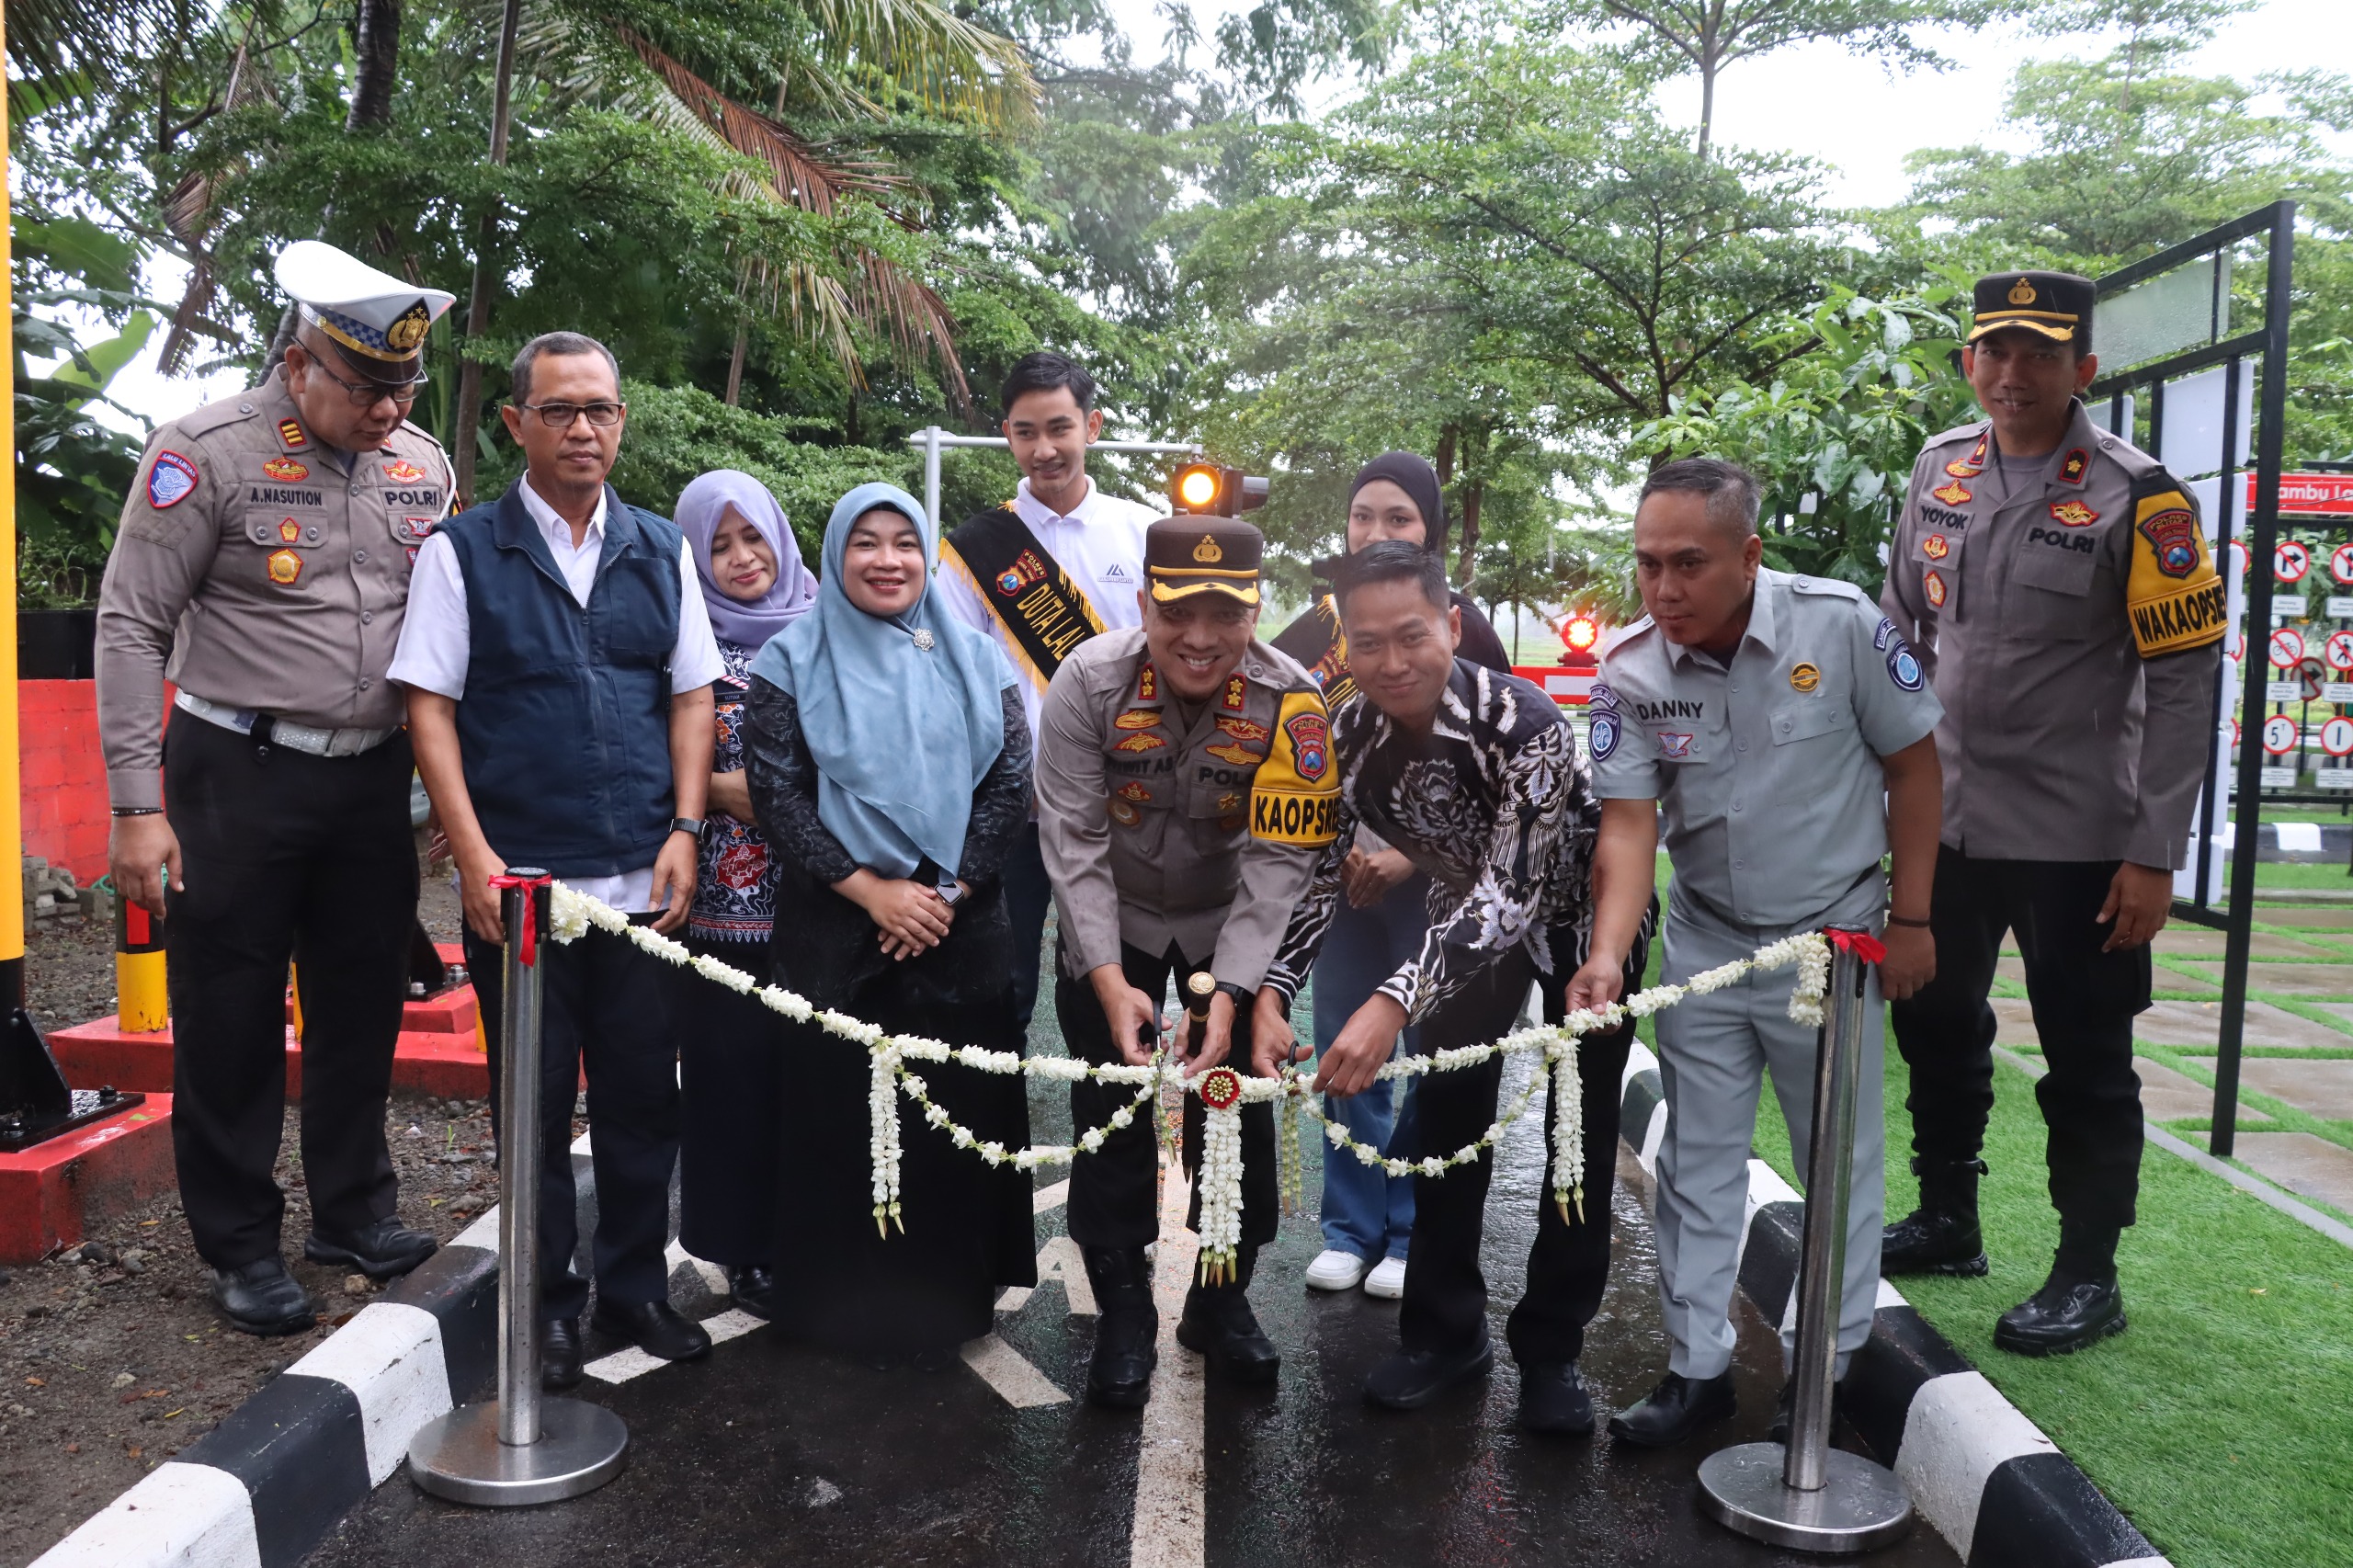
1879	638
2172	595
1601	740
1295	794
170	480
1601	698
1902	667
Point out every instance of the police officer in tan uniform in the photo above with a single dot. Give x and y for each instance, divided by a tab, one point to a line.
1185	784
262	567
2061	592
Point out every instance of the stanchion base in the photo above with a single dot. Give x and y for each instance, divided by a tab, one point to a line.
459	1455
1863	1507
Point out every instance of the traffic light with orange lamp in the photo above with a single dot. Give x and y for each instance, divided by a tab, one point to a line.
1581	640
1205	489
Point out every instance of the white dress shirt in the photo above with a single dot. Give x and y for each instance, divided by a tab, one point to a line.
1099	542
435	644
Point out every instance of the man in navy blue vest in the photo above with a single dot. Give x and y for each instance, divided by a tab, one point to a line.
559	662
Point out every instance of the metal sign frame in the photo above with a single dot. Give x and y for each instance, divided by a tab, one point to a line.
2268	344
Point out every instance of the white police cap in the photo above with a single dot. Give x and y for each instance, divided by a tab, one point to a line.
369	313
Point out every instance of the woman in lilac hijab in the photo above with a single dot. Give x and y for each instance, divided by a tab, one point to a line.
754	585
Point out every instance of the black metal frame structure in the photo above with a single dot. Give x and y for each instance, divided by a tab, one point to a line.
2268	344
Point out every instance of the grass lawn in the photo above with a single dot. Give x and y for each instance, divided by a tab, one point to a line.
2222	1421
2302	874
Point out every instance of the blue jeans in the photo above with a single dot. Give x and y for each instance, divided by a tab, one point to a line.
1367	1211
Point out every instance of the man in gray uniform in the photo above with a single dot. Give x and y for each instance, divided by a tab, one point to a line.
1185	783
2066	602
1766	713
263	565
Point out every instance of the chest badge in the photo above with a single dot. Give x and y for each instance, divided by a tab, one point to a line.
1954	494
1241	729
417	528
286	470
1134	792
1124	813
2072	469
2174	536
1229	803
285	567
289	531
1935	546
1933	585
2074	514
1239	756
399	470
1136	719
1137	744
290	436
1674	748
1805	677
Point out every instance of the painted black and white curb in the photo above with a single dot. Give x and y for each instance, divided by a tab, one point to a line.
1978	1470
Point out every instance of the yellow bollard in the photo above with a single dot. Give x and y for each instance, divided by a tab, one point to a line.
142	1006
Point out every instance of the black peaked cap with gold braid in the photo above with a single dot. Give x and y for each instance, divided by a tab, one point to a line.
2056	306
1194	554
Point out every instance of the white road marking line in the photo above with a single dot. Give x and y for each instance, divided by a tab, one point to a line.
1017	1382
711	1274
1058	1260
622	1365
1171	1503
1053	1196
731	1325
1016	1297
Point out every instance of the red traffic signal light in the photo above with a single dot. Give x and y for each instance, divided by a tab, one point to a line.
1208	490
1581	633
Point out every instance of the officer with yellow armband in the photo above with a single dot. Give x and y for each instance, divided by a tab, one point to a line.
1185	786
2062	594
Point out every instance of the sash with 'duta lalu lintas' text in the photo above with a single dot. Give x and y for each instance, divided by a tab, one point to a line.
1316	640
1044	611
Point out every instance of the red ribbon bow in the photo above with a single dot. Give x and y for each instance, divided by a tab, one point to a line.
1862	944
528	945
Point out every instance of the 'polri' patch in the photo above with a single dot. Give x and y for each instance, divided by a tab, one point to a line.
169	482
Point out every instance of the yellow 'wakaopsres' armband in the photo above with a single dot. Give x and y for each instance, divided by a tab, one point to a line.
2173	596
1295	797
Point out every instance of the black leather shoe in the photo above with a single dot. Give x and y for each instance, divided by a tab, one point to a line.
755	1291
1411	1378
2065	1314
560	1355
1941	1236
654	1328
383	1251
1218	1323
1552	1398
1127	1327
262	1298
1676	1411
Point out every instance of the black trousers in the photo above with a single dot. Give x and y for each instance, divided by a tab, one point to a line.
1445	1306
609	1007
1028	894
2084	1000
286	857
1114	1191
730	1079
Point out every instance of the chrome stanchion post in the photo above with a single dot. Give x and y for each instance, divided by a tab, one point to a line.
519	1448
1810	1496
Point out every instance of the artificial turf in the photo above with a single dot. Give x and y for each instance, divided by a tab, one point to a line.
2221	1421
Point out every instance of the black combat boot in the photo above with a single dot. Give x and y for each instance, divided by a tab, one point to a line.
1218	1323
1942	1236
1127	1326
2078	1305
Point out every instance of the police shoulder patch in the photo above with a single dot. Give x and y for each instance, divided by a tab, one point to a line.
1295	794
2172	595
170	480
1601	739
1902	667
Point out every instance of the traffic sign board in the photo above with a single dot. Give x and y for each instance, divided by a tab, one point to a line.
2336	737
2287	648
2340	565
2311	494
2290	559
2308	678
2280	734
2339	649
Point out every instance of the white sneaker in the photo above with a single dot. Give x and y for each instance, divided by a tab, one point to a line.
1334	1270
1387	1279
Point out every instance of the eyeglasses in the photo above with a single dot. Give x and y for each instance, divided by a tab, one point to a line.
369	394
559	415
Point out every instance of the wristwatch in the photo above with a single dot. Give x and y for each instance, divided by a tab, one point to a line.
1242	999
949	892
689	826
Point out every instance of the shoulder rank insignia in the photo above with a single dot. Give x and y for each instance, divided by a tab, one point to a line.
1241	729
1933	585
286	470
285	566
1147	683
1935	546
403	471
1141	743
2074	514
2073	470
1973	464
170	480
1240	756
1235	690
289	434
1954	494
1137	719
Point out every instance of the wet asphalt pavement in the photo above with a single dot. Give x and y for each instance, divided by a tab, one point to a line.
769	1454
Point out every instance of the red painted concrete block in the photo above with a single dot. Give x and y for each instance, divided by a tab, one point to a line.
50	1191
438	1052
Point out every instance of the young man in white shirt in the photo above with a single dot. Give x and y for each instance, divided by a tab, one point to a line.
1057	564
559	662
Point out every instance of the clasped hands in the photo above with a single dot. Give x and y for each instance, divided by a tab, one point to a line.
910	917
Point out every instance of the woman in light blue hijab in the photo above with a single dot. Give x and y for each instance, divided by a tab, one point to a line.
889	764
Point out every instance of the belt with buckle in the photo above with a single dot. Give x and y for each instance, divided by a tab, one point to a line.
270	731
